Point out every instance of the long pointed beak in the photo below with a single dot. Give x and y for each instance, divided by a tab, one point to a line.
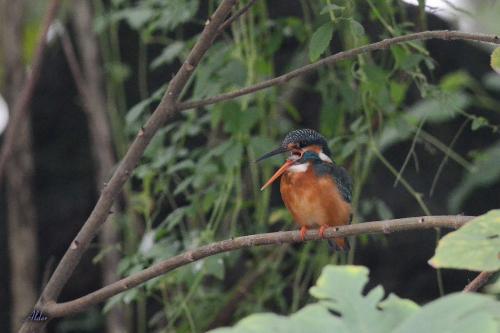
277	151
278	173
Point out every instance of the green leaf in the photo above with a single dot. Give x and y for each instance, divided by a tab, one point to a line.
232	157
495	60
330	7
475	246
214	266
320	40
234	73
168	54
438	109
398	91
356	27
478	122
455	313
486	172
136	17
455	81
173	219
343	308
237	121
494	286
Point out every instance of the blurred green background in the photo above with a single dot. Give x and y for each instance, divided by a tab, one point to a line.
416	126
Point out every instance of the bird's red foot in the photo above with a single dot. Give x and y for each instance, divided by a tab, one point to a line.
322	231
303	231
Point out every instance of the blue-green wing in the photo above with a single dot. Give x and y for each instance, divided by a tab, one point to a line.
339	175
344	182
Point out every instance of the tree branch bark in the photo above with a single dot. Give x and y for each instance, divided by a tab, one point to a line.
236	15
479	281
53	309
382	45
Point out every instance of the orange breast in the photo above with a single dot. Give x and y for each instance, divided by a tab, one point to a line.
314	201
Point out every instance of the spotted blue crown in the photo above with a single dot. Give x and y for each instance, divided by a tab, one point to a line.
306	137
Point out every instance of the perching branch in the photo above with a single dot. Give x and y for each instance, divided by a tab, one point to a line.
165	110
53	309
382	45
22	103
480	280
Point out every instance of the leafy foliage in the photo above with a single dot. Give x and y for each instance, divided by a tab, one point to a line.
475	246
197	181
342	307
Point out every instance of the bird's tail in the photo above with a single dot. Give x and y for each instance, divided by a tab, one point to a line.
339	244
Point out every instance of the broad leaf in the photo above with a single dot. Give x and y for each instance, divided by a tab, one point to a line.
475	246
320	40
455	313
495	60
344	307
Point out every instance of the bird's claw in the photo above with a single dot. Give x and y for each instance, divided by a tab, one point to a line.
303	231
322	231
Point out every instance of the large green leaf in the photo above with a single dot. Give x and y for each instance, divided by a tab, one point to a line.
455	313
344	307
475	246
340	288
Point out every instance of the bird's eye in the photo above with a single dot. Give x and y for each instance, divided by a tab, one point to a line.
296	154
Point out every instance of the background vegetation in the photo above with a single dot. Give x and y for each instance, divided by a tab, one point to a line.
416	126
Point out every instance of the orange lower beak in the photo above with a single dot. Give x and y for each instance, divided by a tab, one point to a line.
278	173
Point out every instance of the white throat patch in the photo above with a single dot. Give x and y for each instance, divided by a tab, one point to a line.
299	167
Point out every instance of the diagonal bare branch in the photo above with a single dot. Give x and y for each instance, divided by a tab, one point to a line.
388	226
479	281
165	110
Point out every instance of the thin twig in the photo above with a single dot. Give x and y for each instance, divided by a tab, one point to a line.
236	15
411	152
384	44
446	156
480	280
74	66
23	101
388	226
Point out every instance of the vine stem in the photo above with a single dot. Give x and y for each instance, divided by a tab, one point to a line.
386	227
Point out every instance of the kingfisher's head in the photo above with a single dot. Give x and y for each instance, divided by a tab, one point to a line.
297	143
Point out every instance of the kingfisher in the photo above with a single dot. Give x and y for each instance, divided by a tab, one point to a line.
316	191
